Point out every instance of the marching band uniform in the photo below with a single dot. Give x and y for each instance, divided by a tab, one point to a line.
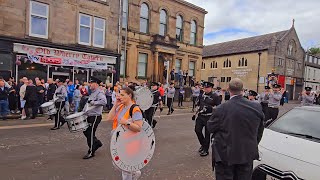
263	101
273	103
219	93
307	99
98	100
149	113
195	96
170	97
60	94
205	103
252	96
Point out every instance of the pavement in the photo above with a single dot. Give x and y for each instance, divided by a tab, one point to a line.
29	150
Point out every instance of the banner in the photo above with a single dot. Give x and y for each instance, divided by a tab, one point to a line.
52	56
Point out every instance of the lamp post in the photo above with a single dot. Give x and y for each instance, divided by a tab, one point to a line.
258	73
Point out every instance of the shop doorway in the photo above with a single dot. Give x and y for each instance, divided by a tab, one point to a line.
60	75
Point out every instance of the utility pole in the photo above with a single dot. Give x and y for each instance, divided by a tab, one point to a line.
258	73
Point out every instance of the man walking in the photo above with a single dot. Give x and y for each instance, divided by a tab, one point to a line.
4	105
170	97
237	128
31	99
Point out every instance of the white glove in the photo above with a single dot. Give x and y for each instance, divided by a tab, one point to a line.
92	103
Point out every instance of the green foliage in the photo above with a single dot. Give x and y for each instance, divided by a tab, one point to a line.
314	51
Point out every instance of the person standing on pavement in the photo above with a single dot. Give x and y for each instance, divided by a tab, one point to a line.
170	97
195	95
60	94
181	96
306	98
76	98
172	76
157	101
237	134
109	97
12	98
206	102
263	100
273	98
31	100
4	105
50	92
40	95
22	93
97	100
161	91
71	89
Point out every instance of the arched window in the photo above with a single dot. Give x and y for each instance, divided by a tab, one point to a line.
203	65
291	48
227	63
211	65
239	63
179	28
144	18
243	62
163	23
216	65
193	35
246	62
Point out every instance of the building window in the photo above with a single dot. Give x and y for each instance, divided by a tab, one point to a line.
243	62
193	35
39	18
291	48
228	79
178	65
280	62
310	59
122	63
163	23
144	18
319	61
214	65
125	14
179	28
142	65
203	65
223	79
192	68
299	66
227	63
98	32
85	30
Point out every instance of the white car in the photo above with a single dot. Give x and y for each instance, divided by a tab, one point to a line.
290	147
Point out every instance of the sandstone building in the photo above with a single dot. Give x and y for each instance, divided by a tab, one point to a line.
312	72
281	60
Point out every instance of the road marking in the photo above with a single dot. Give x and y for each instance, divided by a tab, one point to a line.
51	124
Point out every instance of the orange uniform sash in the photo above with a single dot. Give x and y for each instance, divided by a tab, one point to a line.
126	115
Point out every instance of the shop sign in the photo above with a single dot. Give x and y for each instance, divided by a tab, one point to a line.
241	72
290	72
52	56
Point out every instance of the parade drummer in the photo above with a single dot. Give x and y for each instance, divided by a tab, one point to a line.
206	102
125	112
273	98
263	101
157	100
60	95
96	101
306	97
252	96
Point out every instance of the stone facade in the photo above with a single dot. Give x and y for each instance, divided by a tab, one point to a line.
162	48
312	72
281	53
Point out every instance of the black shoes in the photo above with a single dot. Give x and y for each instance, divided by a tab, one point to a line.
55	128
62	123
204	153
91	154
200	149
154	122
88	156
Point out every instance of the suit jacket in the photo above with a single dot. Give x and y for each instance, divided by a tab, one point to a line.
237	128
31	94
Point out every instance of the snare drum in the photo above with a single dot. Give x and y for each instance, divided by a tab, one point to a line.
49	108
77	122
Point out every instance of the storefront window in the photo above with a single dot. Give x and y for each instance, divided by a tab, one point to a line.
142	65
191	68
31	70
39	15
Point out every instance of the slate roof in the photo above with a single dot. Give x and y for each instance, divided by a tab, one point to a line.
250	44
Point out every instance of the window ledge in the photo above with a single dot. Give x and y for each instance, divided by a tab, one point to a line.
242	67
226	68
101	2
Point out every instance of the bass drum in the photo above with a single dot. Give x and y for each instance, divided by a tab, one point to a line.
143	97
131	151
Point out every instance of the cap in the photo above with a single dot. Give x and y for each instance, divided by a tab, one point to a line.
252	93
267	87
308	88
171	83
95	80
154	84
218	88
207	84
276	86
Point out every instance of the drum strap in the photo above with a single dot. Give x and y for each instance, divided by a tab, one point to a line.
131	110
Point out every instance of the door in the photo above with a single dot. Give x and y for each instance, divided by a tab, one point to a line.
60	75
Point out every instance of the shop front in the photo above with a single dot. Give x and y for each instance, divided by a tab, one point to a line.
46	62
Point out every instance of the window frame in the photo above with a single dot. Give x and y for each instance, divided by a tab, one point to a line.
180	29
90	34
103	30
41	16
165	24
125	12
146	65
223	79
194	68
195	33
176	67
228	79
148	19
123	59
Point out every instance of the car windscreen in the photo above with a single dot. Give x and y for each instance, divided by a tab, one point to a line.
299	122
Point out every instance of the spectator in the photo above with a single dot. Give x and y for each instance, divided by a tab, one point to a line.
195	95
84	91
181	96
31	100
40	95
70	89
12	98
284	98
226	95
114	95
165	74
77	83
22	93
180	77
170	93
172	76
109	97
191	81
51	89
4	94
161	91
77	98
186	77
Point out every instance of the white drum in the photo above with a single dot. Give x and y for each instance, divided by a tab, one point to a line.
49	108
77	122
131	151
143	97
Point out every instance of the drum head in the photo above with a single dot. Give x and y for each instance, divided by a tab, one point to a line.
46	104
131	151
144	98
75	115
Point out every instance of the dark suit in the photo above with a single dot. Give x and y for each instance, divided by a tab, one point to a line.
31	100
237	128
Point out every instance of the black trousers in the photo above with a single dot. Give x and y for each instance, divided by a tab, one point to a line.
92	141
233	172
58	118
34	106
264	109
180	100
204	140
272	113
194	99
149	113
170	105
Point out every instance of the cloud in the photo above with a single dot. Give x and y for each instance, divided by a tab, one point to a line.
233	19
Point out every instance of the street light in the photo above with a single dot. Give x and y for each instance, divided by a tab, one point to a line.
258	73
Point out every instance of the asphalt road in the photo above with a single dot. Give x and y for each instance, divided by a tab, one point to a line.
30	151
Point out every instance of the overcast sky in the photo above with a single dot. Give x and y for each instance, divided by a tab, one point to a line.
235	19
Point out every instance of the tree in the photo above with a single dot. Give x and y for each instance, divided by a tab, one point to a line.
314	51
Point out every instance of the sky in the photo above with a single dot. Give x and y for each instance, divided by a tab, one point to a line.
235	19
